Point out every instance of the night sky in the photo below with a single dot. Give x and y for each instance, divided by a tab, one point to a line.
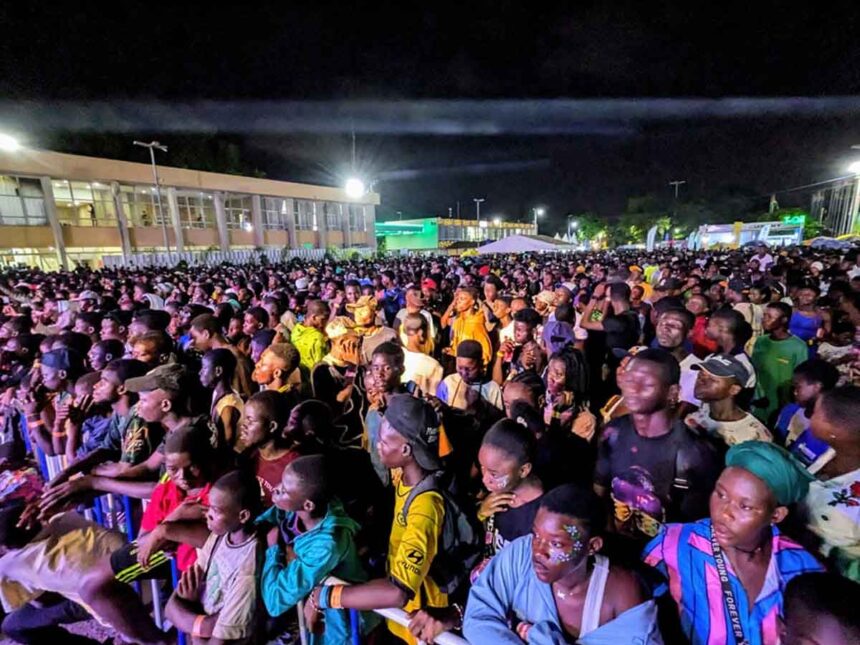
62	66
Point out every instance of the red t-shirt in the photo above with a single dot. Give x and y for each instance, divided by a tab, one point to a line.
702	345
165	498
270	471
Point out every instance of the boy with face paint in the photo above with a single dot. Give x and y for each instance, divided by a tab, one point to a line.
741	543
454	389
309	522
557	584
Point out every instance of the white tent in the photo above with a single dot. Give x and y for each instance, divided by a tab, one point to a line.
523	243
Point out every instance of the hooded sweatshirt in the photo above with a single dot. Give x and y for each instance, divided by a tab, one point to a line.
328	549
312	346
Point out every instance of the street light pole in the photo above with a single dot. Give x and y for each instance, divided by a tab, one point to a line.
537	211
152	145
478	208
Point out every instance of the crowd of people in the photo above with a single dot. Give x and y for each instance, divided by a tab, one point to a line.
605	447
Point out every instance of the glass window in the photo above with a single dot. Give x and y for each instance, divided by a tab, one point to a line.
356	218
274	213
82	203
238	211
141	206
196	210
333	216
21	201
304	215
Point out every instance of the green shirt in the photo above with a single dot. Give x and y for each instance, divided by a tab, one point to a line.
774	362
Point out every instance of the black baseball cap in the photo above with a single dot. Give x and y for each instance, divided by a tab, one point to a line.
725	366
418	423
172	377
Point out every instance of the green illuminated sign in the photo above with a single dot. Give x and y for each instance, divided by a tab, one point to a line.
794	220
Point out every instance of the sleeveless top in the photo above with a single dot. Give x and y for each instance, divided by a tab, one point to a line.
594	595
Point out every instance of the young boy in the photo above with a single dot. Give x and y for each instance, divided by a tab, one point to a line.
309	339
721	379
469	376
262	435
217	597
173	519
276	368
811	378
84	423
408	444
216	373
312	538
820	608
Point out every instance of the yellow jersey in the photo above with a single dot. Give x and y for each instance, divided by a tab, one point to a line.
413	545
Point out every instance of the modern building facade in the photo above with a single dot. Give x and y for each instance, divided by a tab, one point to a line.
439	233
58	209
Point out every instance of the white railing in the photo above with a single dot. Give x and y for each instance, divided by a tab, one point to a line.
212	258
402	618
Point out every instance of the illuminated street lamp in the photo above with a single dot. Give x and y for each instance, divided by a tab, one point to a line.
854	168
497	221
354	188
538	212
8	143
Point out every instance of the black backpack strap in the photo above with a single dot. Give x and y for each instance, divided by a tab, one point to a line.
431	482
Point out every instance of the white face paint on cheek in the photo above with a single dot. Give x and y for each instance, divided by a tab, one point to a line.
557	556
501	481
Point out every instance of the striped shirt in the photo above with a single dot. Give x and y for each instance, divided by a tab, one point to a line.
682	553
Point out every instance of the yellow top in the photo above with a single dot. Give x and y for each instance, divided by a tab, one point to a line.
472	326
413	545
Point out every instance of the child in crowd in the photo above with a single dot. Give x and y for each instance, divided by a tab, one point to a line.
264	441
819	609
276	369
310	538
506	458
722	377
216	374
838	350
470	375
217	596
811	378
173	520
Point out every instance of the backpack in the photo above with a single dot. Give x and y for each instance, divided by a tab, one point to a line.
461	542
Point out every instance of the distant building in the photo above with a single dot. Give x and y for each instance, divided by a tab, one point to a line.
56	209
439	233
780	233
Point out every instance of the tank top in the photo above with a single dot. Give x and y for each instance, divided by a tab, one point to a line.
594	595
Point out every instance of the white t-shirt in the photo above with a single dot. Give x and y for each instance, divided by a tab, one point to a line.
747	428
401	316
424	370
507	333
452	390
230	587
764	262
